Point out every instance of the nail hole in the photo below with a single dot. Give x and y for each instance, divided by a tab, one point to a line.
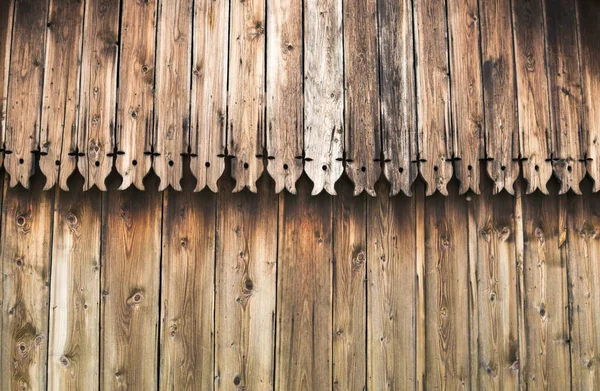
363	168
537	168
324	167
469	167
246	165
207	164
171	163
134	162
435	168
503	168
401	170
57	162
97	163
21	161
569	168
285	166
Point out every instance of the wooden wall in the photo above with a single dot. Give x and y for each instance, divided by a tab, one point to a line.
181	290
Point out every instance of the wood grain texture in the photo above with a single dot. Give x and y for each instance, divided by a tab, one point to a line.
304	291
349	289
433	95
73	347
501	130
6	30
26	251
98	98
172	91
209	92
187	290
362	136
532	93
246	279
392	288
22	133
398	94
136	92
246	116
323	93
130	283
467	92
60	105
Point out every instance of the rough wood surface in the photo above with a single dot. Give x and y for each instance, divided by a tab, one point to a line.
6	30
323	93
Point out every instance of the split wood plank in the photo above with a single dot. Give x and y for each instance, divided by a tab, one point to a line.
433	95
304	291
467	92
26	235
362	137
6	30
187	290
209	92
323	93
564	77
398	94
499	95
172	92
532	94
136	92
349	289
285	98
98	98
74	349
130	282
520	258
22	134
246	116
392	288
246	278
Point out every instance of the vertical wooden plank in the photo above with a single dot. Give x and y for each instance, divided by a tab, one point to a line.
564	77
6	30
499	92
60	105
209	92
172	93
304	292
349	289
433	95
187	290
246	120
398	89
420	278
25	90
392	288
130	288
246	278
447	292
74	349
323	93
98	98
26	251
362	137
520	257
532	93
136	92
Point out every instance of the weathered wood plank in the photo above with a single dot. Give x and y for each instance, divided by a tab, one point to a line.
392	288
420	298
433	95
362	136
398	94
349	289
246	118
246	278
98	98
130	282
25	90
26	234
532	93
187	290
73	348
136	92
172	92
323	93
304	291
499	92
60	105
6	30
209	92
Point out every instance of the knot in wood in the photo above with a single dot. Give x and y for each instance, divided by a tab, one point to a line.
237	380
248	286
22	221
504	234
493	296
39	340
71	220
19	262
65	362
183	242
539	233
22	348
135	299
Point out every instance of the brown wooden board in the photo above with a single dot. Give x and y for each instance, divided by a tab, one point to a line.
209	92
25	90
136	92
73	343
398	94
246	115
362	136
6	30
172	91
501	130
